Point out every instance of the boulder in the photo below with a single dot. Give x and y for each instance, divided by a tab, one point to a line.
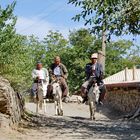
76	98
11	104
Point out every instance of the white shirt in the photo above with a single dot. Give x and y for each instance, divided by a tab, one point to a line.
43	74
57	71
40	74
93	69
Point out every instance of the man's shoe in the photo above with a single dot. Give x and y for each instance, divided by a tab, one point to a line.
101	103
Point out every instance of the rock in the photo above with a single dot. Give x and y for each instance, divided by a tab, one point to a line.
76	98
11	104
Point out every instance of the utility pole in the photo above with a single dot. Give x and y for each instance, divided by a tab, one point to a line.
103	49
102	53
104	41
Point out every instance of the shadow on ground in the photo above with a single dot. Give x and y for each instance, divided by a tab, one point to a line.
82	128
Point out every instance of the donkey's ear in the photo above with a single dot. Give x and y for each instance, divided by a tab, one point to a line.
53	81
56	80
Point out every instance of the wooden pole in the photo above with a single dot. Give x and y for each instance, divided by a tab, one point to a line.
134	72
100	57
103	49
126	71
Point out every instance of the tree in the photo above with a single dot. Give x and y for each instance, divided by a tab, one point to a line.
7	34
114	16
110	17
117	56
83	41
82	45
55	44
16	57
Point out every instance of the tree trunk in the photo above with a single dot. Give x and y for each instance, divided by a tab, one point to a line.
134	114
103	49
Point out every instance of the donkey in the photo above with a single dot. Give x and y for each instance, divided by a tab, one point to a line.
40	94
93	98
57	95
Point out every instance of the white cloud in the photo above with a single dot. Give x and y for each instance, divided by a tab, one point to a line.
40	28
34	26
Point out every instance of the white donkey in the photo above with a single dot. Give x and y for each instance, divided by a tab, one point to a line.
41	93
57	94
93	97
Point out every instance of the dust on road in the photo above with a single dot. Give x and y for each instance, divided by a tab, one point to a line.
74	125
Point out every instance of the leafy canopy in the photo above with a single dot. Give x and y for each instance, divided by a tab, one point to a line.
114	16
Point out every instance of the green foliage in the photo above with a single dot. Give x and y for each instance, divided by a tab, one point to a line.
19	54
55	44
114	16
116	56
82	45
7	34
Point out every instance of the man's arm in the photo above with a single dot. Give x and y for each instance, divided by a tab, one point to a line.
65	71
34	75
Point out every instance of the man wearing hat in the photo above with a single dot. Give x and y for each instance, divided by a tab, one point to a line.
94	72
40	75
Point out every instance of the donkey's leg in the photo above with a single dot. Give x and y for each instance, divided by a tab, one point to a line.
44	95
56	107
37	107
44	105
92	110
41	102
60	107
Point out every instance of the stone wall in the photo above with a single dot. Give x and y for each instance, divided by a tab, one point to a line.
11	104
124	97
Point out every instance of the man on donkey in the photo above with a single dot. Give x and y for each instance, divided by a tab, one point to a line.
39	75
60	72
94	72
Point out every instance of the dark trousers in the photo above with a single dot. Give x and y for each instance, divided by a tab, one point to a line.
64	86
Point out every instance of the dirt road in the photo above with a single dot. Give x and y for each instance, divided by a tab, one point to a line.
74	125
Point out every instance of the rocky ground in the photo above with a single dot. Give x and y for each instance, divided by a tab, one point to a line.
74	125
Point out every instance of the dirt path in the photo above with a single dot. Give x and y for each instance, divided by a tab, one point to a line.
74	125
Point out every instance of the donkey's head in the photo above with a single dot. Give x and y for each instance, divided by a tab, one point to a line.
56	88
96	91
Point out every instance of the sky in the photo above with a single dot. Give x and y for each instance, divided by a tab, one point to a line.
39	16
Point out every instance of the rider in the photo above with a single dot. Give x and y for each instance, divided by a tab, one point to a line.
60	71
94	72
39	74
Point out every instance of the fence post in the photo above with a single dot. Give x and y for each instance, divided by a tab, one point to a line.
126	71
134	72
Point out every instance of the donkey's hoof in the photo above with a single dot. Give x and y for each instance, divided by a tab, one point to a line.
92	118
61	113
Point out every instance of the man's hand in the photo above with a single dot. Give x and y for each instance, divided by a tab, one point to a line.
53	77
101	77
37	78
